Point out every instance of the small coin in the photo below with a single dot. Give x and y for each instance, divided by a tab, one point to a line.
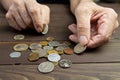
68	51
68	43
54	57
20	47
55	63
60	52
15	54
65	63
44	43
78	49
33	56
52	51
19	37
46	67
45	29
41	52
61	47
47	48
50	38
54	43
34	46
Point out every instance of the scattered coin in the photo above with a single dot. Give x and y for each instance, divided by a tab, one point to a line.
52	51
54	43
34	46
68	43
15	54
46	67
65	63
60	52
33	56
19	37
20	47
78	49
55	63
48	48
45	29
54	57
44	43
40	51
50	38
69	51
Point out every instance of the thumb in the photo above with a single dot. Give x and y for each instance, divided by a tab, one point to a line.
83	28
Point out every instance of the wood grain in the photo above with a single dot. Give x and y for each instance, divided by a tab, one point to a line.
104	71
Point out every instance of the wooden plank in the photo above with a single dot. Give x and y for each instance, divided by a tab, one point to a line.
106	53
76	72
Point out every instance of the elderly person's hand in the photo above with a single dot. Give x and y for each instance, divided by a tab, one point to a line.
22	14
95	24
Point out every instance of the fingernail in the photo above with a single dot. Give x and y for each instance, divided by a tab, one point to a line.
83	40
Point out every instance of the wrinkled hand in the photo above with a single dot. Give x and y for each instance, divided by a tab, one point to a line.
24	13
95	24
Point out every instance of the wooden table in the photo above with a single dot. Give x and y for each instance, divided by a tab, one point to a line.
102	63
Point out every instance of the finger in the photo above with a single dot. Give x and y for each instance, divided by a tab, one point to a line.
97	41
104	32
45	12
83	28
23	13
18	19
74	38
35	14
73	28
12	22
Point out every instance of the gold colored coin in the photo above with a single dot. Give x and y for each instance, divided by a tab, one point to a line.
50	38
44	43
20	47
55	63
52	51
61	52
46	56
68	51
33	57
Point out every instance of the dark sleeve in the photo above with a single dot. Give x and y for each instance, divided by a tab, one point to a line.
53	1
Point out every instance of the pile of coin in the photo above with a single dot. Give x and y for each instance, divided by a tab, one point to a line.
50	49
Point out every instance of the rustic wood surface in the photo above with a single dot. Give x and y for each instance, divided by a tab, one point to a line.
102	63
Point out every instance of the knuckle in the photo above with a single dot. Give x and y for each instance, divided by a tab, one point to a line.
33	11
83	29
112	11
47	8
8	16
17	2
82	10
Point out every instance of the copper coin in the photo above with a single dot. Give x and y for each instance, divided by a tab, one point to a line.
68	51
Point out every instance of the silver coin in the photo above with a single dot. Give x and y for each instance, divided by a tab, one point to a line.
46	67
65	63
19	37
45	29
15	54
35	46
61	47
48	48
54	43
54	57
78	49
41	52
